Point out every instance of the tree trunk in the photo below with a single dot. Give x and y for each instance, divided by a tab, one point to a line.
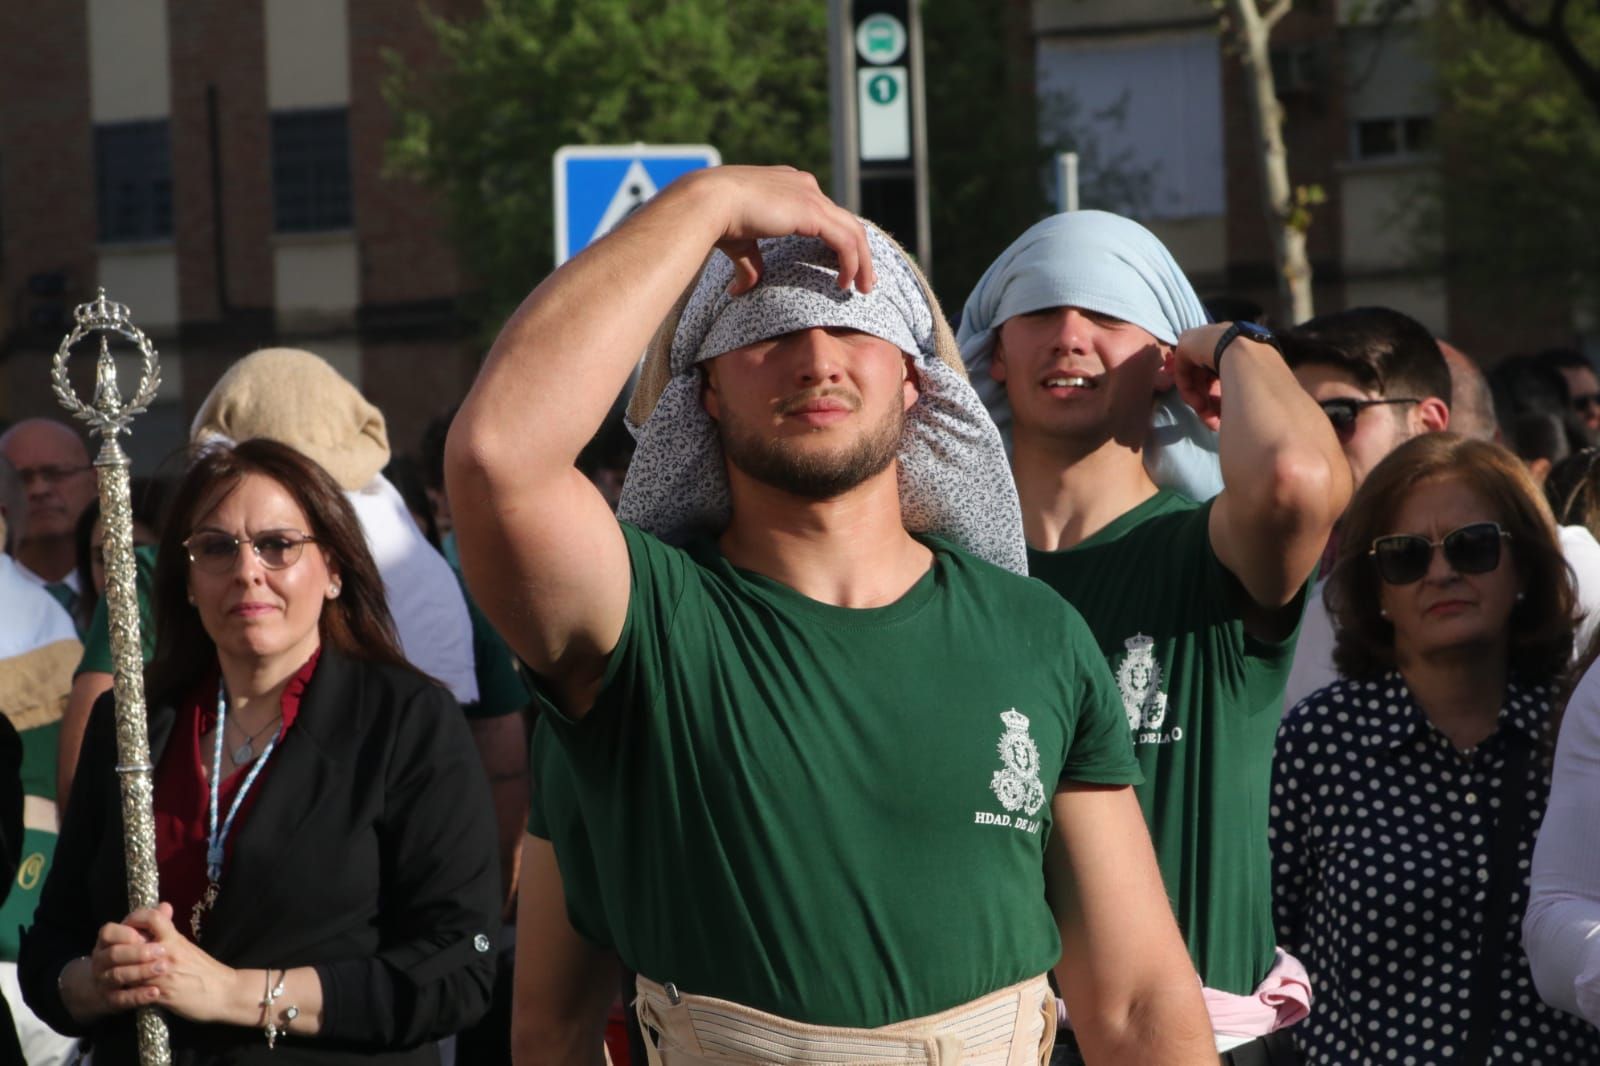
1286	226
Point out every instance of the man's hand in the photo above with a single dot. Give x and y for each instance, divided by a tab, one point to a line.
1194	371
778	202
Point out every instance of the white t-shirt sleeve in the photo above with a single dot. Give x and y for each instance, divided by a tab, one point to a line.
424	596
1561	929
1583	555
1313	652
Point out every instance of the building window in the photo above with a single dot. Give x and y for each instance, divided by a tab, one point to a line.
311	170
1392	138
133	178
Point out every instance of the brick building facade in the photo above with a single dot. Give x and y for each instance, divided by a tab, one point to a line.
219	168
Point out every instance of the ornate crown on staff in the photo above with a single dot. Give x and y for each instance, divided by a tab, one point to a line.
107	415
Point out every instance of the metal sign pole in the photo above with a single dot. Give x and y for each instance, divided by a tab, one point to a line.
842	104
109	416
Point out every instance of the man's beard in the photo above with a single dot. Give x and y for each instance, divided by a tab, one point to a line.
783	465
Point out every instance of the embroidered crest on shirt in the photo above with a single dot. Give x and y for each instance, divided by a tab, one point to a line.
1139	679
1017	786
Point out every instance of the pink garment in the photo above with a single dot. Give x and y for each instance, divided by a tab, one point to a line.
1281	999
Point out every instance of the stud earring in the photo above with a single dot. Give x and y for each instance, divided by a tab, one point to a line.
1382	613
333	590
1521	596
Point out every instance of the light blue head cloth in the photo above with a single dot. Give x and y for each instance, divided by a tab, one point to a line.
1113	266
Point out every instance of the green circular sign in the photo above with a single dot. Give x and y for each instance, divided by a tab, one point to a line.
883	89
881	39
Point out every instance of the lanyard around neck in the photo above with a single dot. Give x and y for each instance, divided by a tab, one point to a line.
214	840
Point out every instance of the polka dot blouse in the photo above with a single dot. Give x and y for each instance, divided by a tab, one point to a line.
1381	840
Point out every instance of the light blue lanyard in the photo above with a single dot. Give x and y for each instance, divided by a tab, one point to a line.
214	842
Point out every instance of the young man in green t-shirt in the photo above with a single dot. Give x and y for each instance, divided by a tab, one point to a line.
1086	324
841	782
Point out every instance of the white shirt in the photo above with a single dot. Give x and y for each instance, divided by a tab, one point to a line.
71	580
1561	930
1313	654
32	618
424	596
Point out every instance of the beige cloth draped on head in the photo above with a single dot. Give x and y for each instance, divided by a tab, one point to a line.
297	398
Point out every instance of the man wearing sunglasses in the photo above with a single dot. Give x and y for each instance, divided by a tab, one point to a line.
1583	385
1381	379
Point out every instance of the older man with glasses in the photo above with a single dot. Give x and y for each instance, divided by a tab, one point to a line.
53	464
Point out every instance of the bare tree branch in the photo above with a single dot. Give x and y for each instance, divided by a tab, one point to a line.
1556	35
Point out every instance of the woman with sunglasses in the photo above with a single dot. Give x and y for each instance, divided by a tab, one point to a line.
324	834
1406	798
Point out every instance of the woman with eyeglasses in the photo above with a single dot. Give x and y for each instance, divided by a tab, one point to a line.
1407	797
324	834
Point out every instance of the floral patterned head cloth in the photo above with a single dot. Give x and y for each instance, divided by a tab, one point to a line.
954	479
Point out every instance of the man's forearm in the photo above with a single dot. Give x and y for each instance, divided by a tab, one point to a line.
1286	480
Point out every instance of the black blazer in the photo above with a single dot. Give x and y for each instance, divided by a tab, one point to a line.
368	852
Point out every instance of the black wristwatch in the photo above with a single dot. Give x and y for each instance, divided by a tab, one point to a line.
1250	331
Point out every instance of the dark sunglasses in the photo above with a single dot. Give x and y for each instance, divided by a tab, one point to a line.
1586	402
1402	558
215	552
1344	411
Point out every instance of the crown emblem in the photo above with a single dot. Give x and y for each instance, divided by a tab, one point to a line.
108	414
101	313
1139	642
1014	719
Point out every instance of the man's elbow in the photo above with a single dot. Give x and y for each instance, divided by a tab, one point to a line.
1303	492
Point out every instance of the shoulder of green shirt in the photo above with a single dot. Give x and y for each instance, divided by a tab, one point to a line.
97	640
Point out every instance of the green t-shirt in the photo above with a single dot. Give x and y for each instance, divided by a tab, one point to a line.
97	642
835	815
1202	699
554	815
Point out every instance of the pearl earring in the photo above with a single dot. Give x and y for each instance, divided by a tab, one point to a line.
1521	596
1382	613
333	590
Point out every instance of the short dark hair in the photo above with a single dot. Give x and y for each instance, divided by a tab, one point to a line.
1387	352
1542	623
430	454
1564	359
357	622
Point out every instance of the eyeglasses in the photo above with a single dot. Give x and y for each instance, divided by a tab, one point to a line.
1344	411
50	475
1402	558
1586	402
215	552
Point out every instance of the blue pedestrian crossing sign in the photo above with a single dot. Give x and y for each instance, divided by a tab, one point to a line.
597	186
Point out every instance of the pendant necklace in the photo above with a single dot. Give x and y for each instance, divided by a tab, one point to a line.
246	751
215	840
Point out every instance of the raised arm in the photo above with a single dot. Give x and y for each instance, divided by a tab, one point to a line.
539	547
1561	930
1285	481
1131	991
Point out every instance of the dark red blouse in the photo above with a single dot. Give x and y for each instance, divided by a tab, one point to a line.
182	797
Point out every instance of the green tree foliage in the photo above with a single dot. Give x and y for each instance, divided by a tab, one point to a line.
525	77
1520	147
528	76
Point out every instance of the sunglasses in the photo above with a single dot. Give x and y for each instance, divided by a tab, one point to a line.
1344	411
216	552
1586	402
1402	558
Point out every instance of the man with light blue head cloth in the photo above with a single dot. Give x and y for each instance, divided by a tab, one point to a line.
1099	358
